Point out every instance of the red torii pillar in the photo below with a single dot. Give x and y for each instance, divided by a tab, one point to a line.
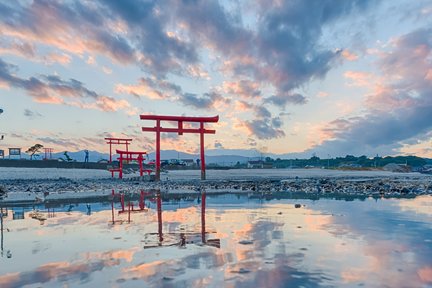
180	130
118	141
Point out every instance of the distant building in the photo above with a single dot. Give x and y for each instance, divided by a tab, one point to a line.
255	164
188	162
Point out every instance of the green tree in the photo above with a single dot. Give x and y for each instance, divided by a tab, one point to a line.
34	149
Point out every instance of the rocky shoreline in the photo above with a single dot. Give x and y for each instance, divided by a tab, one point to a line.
43	190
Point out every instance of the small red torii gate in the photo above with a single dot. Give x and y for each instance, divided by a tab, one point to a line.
118	141
129	156
48	153
180	130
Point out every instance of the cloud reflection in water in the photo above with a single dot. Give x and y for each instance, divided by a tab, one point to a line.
262	244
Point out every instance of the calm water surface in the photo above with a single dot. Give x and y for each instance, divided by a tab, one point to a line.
237	241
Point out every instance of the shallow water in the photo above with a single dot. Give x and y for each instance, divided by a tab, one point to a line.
239	241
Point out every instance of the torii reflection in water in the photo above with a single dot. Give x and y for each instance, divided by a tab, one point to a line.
185	237
3	213
180	239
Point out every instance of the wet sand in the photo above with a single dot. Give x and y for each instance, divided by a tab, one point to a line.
39	185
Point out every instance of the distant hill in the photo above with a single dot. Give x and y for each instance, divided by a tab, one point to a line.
94	156
223	157
226	160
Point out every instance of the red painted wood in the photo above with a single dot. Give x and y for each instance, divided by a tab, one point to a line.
213	119
180	130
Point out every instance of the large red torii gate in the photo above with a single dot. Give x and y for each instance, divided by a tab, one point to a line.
180	130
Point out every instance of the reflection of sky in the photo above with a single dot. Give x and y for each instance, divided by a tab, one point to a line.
262	244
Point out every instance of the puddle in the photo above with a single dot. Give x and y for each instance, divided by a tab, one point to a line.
219	241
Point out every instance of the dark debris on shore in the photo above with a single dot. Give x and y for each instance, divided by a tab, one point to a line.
294	187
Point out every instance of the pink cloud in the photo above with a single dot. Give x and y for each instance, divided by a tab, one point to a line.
151	88
50	27
60	58
322	94
197	71
18	48
54	270
139	90
242	88
425	274
349	55
107	70
242	106
361	79
4	85
385	98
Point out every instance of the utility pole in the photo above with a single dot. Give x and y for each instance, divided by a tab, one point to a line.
1	227
1	136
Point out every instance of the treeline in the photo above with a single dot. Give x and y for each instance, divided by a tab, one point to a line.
348	161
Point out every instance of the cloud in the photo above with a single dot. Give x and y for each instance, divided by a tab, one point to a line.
280	52
349	55
136	35
262	112
212	25
243	106
158	89
31	114
322	94
151	88
28	50
288	51
69	27
107	70
55	271
54	90
19	48
281	100
61	58
218	145
206	101
109	104
48	86
62	142
158	51
360	79
243	88
425	274
398	109
266	128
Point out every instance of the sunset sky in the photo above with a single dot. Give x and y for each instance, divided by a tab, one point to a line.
309	76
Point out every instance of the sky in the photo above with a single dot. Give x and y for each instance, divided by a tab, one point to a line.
326	78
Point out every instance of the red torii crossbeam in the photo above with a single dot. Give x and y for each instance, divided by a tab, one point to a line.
180	130
118	141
